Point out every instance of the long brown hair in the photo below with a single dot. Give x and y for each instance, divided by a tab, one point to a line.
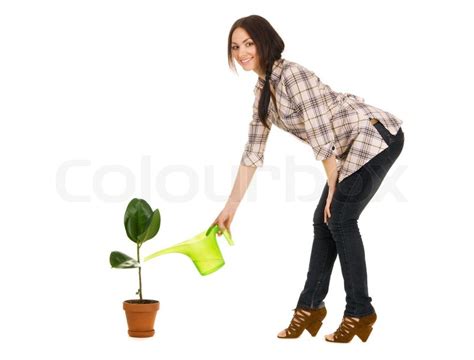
269	48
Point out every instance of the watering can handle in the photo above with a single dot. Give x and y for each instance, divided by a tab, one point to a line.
215	228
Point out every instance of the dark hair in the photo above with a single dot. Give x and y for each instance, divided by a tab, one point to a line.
269	48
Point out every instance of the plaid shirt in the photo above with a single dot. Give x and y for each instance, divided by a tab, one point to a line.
330	122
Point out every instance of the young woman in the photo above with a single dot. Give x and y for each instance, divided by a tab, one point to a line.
357	144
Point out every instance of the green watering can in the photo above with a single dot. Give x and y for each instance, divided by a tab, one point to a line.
202	249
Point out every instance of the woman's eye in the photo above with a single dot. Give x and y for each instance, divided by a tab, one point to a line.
249	44
235	47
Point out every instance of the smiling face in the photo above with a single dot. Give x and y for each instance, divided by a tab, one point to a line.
244	51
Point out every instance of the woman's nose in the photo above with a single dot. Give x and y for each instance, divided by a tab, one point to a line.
242	53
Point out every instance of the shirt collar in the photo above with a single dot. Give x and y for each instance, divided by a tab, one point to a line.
275	77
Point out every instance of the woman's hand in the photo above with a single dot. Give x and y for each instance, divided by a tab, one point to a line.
224	219
327	208
330	166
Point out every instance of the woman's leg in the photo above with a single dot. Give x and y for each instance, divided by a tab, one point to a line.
323	255
350	198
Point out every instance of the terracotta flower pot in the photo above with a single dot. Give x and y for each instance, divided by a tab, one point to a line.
141	316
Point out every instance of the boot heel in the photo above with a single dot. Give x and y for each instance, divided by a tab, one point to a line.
352	326
304	319
364	333
314	328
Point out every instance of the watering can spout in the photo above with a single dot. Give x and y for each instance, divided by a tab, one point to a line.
171	249
202	249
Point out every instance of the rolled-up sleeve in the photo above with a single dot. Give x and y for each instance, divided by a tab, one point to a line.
257	138
311	101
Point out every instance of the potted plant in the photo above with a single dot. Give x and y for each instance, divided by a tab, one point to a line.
141	224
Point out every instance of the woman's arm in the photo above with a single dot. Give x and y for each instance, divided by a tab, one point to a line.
241	184
330	167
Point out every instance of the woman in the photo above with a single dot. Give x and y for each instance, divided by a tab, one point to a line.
357	144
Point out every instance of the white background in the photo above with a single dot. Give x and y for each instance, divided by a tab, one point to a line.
103	101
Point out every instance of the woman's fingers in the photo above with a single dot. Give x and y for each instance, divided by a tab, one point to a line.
222	227
327	211
223	221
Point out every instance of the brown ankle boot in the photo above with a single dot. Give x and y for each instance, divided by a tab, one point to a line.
304	319
351	326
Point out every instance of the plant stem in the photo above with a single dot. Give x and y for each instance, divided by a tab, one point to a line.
139	273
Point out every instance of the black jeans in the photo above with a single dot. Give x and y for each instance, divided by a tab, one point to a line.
341	235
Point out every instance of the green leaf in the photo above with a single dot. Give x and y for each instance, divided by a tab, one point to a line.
120	260
152	228
137	218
